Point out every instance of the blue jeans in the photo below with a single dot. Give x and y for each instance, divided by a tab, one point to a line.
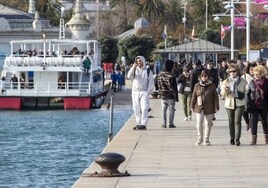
170	104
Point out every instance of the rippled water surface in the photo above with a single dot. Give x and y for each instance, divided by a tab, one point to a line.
52	148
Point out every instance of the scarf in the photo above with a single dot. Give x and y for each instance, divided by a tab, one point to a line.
233	85
259	93
205	83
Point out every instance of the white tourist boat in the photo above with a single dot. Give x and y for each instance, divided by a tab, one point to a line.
55	79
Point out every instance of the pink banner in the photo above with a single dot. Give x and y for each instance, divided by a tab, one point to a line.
262	1
240	21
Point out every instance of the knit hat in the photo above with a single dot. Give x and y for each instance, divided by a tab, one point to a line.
169	65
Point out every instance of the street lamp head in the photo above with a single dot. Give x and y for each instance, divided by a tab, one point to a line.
265	7
62	11
217	18
228	7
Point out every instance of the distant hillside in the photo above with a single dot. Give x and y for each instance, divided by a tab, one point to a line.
18	4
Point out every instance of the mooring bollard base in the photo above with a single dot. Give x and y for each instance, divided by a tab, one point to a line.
109	163
104	175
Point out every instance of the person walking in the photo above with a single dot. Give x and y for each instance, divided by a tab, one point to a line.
204	103
258	93
214	75
167	87
185	93
248	76
142	86
233	90
114	78
194	75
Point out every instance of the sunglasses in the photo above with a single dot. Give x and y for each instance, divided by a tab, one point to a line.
204	76
232	71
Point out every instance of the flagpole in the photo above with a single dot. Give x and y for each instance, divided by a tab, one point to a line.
97	2
248	31
165	31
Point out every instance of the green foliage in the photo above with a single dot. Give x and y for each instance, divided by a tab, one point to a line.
199	9
133	46
49	9
152	9
109	49
211	35
173	14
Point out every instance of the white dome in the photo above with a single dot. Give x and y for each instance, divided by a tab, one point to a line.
141	23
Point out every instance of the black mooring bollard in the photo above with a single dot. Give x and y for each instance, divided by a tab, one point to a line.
109	163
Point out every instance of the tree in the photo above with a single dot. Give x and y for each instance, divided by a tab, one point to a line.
211	35
173	14
199	9
123	10
133	46
152	9
109	49
51	9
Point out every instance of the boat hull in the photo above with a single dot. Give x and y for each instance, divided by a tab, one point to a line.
44	103
10	103
77	103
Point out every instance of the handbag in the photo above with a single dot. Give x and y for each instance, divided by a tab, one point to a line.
251	106
241	95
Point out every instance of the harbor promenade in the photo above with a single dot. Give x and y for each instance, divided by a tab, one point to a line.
168	158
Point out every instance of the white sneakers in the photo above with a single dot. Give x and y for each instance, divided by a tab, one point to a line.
199	142
189	118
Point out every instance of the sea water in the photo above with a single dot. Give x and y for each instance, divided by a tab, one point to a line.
52	148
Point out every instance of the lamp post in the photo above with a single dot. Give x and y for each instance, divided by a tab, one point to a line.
248	31
232	29
230	7
62	29
206	14
184	18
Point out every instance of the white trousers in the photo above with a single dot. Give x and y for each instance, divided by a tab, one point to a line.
140	102
203	120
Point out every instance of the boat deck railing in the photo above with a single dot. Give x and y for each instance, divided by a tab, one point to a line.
49	89
66	61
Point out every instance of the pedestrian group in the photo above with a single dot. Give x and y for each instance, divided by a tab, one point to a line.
243	87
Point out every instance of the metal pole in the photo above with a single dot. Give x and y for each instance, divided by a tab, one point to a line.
248	31
110	136
232	30
98	20
206	14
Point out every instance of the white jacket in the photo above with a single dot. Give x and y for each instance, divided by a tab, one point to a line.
141	80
